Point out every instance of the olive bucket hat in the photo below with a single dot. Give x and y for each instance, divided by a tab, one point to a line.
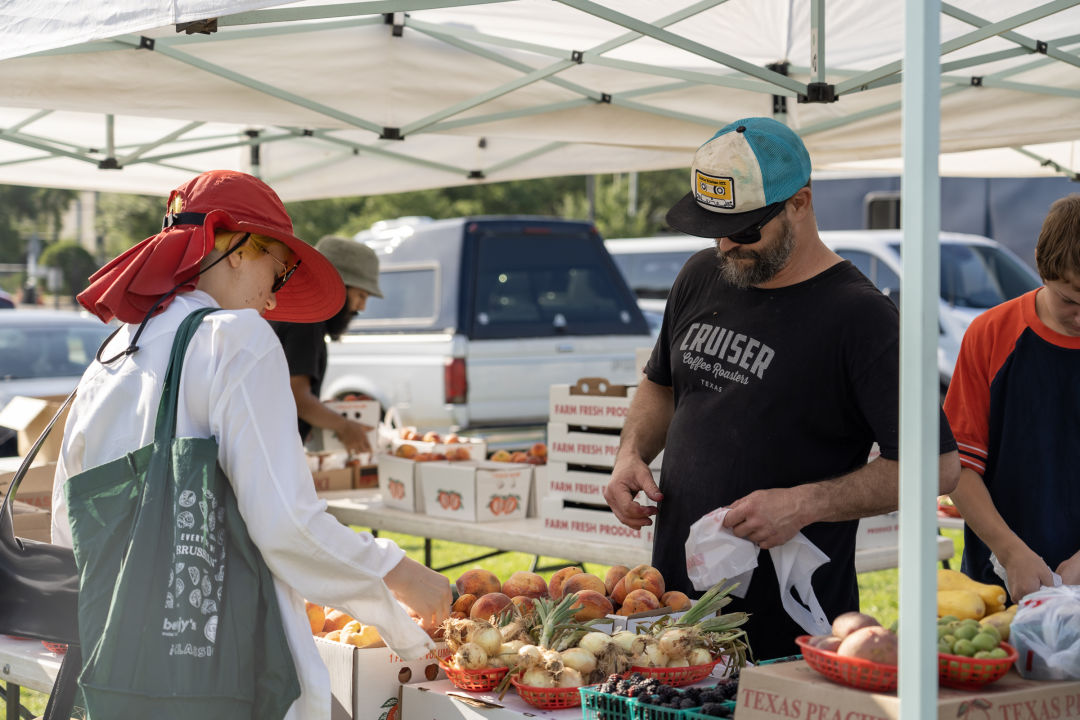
356	262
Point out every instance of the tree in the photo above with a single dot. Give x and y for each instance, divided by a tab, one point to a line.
76	265
27	210
124	220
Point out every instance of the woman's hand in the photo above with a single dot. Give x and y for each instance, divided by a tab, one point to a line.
425	592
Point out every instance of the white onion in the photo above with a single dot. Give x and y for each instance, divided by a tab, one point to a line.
470	656
595	642
488	638
675	642
678	662
570	677
629	642
537	677
529	654
656	656
578	659
497	661
699	656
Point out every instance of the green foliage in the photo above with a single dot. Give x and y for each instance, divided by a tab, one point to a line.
25	211
74	262
124	220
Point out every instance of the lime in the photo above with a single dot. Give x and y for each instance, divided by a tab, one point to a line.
947	619
982	654
988	628
966	632
950	638
984	641
943	630
970	622
999	653
963	647
944	647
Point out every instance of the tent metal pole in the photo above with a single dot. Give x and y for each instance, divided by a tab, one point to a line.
319	12
261	139
863	115
23	123
682	43
1047	162
962	41
511	114
1022	40
920	208
147	147
817	40
739	82
376	150
517	160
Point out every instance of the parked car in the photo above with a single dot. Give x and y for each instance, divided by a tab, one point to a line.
481	316
44	352
976	273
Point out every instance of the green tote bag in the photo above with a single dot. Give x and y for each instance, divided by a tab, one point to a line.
177	612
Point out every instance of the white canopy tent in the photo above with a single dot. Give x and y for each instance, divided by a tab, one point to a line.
342	100
377	96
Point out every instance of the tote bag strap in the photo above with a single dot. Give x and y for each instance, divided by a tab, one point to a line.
165	428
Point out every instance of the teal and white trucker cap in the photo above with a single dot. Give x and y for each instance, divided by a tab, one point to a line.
739	177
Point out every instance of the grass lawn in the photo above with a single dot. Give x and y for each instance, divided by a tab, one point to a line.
878	590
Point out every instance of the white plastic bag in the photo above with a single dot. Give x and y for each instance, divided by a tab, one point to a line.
1046	634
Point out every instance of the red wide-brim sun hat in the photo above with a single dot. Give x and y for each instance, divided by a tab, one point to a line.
128	287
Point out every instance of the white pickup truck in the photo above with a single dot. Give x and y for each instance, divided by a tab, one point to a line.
481	316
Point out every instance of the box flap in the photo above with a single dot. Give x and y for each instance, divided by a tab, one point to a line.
21	411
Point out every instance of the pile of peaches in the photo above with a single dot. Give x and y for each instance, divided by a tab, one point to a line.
536	455
411	452
623	591
337	626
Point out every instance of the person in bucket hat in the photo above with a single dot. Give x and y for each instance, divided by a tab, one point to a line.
227	242
305	343
775	371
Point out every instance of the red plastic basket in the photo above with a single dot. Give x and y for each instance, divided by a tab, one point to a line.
476	680
58	648
678	676
854	672
957	671
547	698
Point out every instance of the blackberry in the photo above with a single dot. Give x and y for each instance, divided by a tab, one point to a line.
715	710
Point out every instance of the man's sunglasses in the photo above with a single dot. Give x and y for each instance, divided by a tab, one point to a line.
286	272
752	234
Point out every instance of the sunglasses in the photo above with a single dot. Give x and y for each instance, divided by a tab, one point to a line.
286	271
753	234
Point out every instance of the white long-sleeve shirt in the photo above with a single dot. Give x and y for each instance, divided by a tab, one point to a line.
235	387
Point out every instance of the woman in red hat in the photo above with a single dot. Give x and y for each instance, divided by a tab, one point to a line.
227	242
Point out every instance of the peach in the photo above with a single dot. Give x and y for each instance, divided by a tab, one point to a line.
677	601
538	450
409	433
614	574
525	583
583	581
644	577
478	582
451	439
316	616
525	605
335	620
406	451
487	605
618	593
592	605
637	601
500	456
464	603
333	635
431	436
458	615
558	578
519	457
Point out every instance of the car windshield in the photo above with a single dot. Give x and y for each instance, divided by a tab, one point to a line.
48	350
981	276
650	274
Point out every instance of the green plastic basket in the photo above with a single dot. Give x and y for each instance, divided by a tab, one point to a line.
696	714
596	705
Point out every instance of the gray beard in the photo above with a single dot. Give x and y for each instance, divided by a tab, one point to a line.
766	263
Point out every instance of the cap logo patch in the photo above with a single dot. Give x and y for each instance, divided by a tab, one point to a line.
714	191
176	205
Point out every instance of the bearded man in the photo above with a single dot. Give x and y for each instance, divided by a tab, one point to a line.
305	344
775	371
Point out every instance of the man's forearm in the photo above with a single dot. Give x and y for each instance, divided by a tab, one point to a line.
974	503
645	431
873	489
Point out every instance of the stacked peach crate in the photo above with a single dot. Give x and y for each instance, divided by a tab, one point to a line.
583	437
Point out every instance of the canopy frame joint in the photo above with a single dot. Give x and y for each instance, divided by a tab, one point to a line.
819	92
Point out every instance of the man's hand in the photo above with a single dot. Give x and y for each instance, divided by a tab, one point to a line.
629	476
1026	571
353	436
425	592
1069	570
766	517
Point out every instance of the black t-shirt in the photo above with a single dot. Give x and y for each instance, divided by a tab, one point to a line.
305	350
773	388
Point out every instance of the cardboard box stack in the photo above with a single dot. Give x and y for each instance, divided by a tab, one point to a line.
29	416
583	438
32	504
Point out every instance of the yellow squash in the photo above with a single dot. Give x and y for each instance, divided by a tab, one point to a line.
960	604
993	596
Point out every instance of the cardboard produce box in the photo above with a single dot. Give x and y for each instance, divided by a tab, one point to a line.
878	531
795	690
579	447
583	486
365	683
571	405
565	519
476	491
29	416
36	486
365	412
398	484
31	523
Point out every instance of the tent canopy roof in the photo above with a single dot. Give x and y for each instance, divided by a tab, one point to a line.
328	99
